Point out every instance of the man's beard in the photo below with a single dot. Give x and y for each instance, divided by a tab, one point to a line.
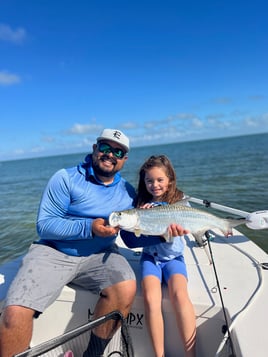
99	171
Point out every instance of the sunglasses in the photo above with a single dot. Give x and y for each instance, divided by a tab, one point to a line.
107	149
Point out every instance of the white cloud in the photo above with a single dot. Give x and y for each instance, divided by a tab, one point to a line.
213	117
7	79
223	100
129	125
37	149
10	35
185	116
257	97
256	122
19	151
48	139
264	117
80	129
251	121
198	123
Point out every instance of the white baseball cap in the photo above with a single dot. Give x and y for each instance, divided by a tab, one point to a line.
115	135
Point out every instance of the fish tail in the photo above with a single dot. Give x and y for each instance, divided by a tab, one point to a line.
231	223
236	222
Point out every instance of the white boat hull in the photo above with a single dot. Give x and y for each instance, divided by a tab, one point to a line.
242	282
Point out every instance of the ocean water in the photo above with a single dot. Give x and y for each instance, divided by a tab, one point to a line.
229	171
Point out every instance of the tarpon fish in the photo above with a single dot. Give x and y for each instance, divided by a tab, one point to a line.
156	220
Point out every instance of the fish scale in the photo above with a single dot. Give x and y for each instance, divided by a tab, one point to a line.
156	220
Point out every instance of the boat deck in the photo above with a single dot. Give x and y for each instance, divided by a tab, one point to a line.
242	282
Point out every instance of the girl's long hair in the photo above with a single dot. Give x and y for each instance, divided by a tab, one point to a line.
172	195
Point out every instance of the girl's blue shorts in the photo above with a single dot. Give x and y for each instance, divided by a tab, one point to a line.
163	270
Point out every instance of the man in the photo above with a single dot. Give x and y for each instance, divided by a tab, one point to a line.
76	245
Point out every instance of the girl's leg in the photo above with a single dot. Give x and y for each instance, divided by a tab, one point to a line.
185	315
152	293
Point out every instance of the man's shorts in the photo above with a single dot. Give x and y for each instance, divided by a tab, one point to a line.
163	270
45	271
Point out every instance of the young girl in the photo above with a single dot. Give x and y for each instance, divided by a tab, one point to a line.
164	261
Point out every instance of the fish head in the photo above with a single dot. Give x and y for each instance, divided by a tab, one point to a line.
127	220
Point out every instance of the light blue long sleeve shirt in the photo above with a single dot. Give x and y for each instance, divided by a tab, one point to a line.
72	199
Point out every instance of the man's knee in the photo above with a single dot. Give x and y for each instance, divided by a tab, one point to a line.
14	315
123	292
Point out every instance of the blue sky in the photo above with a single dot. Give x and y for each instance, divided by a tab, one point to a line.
161	71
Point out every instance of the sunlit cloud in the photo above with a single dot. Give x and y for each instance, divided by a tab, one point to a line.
129	125
213	117
19	151
238	113
265	117
223	100
80	129
257	97
48	139
173	128
37	149
197	123
178	127
8	79
251	122
255	122
176	119
12	35
184	116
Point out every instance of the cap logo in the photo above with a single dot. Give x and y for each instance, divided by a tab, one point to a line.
117	134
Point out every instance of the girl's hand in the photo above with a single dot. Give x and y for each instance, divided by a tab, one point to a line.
147	205
176	230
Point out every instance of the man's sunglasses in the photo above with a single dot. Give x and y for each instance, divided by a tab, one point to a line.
107	149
